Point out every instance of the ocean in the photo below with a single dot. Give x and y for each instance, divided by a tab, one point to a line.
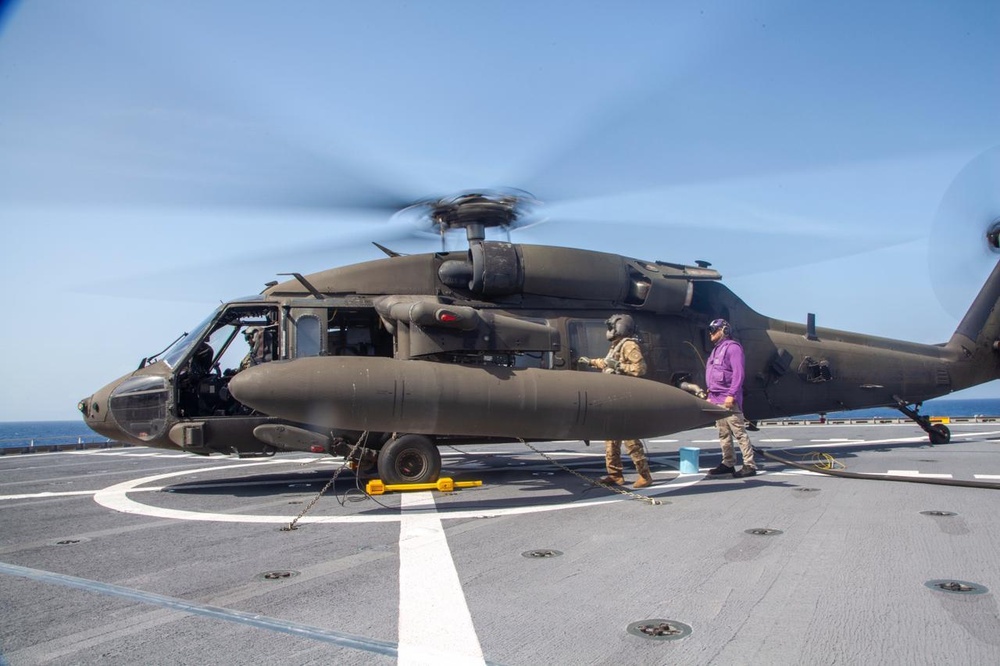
938	407
19	434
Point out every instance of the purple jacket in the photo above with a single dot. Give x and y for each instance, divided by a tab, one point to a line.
724	372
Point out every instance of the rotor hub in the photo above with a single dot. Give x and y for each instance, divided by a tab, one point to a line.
993	235
476	211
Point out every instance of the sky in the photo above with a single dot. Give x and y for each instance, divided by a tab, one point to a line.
158	158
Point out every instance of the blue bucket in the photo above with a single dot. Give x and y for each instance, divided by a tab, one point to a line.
689	459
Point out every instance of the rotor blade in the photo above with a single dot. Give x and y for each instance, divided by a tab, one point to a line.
867	205
740	252
183	157
960	258
203	269
148	135
759	101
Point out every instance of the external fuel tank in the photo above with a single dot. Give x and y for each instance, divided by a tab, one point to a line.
412	396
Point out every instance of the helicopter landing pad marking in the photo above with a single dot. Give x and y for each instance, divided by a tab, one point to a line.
117	498
918	439
46	494
435	625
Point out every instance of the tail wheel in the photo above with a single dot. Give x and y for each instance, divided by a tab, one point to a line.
409	459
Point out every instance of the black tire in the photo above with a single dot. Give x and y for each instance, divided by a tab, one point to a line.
409	459
939	434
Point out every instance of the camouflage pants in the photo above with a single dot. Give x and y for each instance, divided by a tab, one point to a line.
613	455
730	428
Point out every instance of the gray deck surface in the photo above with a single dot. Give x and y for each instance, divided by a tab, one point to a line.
129	556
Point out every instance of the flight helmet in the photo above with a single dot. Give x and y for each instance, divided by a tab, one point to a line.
620	326
720	324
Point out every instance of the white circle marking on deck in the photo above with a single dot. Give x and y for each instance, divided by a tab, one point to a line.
117	498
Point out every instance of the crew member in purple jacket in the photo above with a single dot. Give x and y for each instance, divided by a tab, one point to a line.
724	373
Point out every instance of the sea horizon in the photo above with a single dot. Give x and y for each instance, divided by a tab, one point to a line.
15	434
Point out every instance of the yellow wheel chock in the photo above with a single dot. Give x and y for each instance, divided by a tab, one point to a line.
445	485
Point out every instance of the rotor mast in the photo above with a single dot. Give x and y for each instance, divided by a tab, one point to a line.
477	211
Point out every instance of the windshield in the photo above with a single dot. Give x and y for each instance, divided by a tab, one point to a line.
179	349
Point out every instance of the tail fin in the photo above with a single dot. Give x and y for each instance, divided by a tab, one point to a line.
975	345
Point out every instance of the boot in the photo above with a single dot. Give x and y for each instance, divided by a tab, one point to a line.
645	478
613	480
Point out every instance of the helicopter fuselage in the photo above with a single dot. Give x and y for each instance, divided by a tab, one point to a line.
483	344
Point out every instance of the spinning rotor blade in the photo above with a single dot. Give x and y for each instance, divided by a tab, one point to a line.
220	271
267	130
123	126
702	122
181	158
960	255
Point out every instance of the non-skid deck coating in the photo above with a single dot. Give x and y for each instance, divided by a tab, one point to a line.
126	556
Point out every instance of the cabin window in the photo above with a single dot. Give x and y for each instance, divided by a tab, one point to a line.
307	336
356	332
588	337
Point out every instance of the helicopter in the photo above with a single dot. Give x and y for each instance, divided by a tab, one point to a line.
382	362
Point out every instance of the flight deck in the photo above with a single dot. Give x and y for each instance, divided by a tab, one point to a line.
134	555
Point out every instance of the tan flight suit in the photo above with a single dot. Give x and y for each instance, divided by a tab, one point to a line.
628	354
256	354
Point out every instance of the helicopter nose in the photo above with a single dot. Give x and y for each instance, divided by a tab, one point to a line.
131	408
94	409
95	414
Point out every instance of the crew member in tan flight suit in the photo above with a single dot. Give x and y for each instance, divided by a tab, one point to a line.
624	358
254	335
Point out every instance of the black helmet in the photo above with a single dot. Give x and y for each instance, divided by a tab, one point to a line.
620	326
203	356
720	324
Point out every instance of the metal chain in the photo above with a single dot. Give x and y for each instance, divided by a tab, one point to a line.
291	526
361	441
652	501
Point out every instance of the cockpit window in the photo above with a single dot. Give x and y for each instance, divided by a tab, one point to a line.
235	338
244	336
179	349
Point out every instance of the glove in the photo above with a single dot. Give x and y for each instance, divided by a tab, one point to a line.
583	362
612	364
694	390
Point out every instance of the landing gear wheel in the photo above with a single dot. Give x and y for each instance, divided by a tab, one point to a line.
939	434
409	459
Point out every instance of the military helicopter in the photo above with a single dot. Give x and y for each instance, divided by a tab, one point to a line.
383	361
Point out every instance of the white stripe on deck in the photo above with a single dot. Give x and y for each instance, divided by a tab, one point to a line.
914	472
435	625
67	493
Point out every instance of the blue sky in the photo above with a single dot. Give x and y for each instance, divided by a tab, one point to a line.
157	158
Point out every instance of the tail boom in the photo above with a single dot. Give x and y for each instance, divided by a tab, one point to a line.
975	345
